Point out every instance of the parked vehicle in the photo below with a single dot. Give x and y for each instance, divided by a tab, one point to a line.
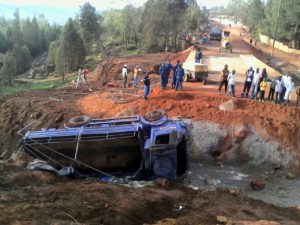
193	70
215	34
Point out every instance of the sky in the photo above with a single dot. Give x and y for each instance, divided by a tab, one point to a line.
60	10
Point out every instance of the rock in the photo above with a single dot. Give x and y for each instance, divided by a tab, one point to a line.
227	106
209	181
241	131
207	105
222	219
257	184
234	191
162	182
290	176
38	114
59	118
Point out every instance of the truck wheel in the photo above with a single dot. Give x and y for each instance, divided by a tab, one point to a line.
155	115
186	78
79	121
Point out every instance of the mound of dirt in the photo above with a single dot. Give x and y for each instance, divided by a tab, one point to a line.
110	70
19	110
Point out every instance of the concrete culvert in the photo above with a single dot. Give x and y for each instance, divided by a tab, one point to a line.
210	143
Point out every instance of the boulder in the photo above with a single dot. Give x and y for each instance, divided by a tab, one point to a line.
241	131
162	182
257	184
228	106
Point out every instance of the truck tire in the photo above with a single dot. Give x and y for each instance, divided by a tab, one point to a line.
155	115
186	78
79	121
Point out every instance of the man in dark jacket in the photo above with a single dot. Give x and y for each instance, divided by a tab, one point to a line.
163	75
179	77
146	82
169	67
198	56
174	74
248	82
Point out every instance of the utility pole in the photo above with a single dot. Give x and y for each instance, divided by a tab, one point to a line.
275	31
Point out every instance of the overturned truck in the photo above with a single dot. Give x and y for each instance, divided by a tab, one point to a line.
137	146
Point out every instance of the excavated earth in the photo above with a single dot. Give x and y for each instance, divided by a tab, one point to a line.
35	197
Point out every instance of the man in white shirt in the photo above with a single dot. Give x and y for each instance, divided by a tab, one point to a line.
289	90
255	85
124	75
231	83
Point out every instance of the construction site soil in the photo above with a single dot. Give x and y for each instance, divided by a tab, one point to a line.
28	197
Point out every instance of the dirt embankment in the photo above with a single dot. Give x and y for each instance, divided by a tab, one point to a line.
273	122
110	70
50	109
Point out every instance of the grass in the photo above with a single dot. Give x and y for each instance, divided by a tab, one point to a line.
40	85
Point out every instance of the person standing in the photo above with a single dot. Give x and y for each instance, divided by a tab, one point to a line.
125	75
198	56
285	80
146	82
263	86
278	90
174	74
85	73
162	73
248	82
136	72
289	90
169	67
272	89
264	74
79	78
255	86
179	77
224	76
231	83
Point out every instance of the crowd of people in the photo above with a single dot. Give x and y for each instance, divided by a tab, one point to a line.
165	71
137	71
256	84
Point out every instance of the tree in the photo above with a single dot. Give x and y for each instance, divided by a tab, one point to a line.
3	43
31	36
257	16
71	52
160	22
288	26
8	70
22	57
17	36
89	23
52	52
131	20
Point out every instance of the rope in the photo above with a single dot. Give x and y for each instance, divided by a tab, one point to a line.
48	157
77	144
